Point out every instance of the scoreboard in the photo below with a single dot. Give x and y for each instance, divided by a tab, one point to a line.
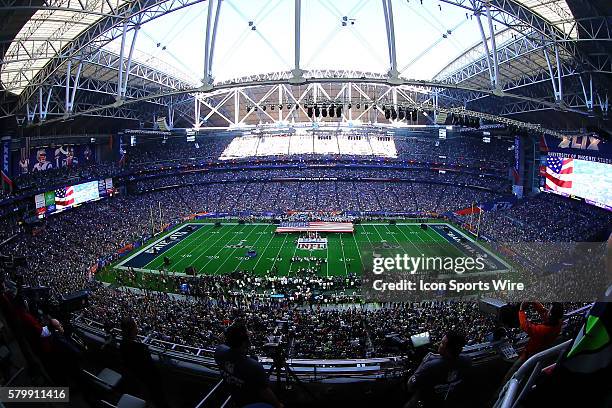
67	197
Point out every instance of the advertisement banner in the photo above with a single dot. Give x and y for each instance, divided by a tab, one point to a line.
6	164
578	147
49	158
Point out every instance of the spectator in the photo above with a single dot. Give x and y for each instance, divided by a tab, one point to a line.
442	379
245	377
139	363
542	335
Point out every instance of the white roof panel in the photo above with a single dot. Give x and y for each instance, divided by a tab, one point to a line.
44	35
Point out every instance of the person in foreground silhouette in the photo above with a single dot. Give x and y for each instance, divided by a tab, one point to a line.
245	377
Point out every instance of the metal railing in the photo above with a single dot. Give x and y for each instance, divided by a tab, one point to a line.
515	390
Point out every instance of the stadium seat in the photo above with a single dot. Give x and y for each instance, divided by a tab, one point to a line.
126	401
106	379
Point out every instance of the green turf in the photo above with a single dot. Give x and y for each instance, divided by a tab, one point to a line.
209	249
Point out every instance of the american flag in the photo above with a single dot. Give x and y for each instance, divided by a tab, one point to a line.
316	226
559	174
64	197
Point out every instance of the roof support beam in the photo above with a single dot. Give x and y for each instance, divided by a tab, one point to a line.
170	114
120	80
74	88
206	76
297	72
551	73
390	29
485	44
196	113
588	97
559	94
213	40
123	84
68	74
496	82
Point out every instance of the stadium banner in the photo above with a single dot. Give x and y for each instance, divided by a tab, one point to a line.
121	149
48	158
315	226
518	168
7	182
585	147
503	203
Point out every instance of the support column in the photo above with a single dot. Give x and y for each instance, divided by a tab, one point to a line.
121	52
68	73
213	40
390	28
298	73
494	48
551	74
486	50
559	95
129	63
75	86
280	103
350	101
236	106
206	78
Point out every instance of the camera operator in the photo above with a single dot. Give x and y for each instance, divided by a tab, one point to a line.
441	379
246	378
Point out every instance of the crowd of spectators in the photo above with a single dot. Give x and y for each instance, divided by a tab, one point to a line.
163	155
544	217
62	248
62	176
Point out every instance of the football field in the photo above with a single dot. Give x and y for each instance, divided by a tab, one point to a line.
256	248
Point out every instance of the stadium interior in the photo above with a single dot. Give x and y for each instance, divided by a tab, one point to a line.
230	203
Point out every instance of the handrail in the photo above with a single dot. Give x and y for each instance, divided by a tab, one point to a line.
211	392
508	396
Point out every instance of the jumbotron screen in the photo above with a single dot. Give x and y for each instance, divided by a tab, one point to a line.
67	197
586	179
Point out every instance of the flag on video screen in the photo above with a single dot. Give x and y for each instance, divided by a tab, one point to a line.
559	174
64	197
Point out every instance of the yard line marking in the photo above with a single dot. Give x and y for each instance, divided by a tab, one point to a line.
254	243
194	246
343	256
279	251
203	253
234	251
264	251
